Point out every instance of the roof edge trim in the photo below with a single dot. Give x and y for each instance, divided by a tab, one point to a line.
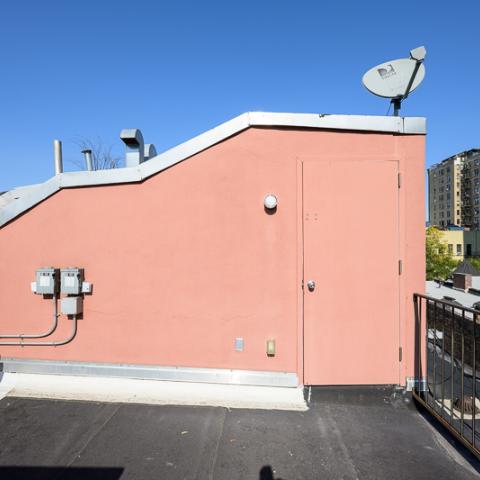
366	123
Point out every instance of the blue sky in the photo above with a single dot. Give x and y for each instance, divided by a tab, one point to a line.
177	68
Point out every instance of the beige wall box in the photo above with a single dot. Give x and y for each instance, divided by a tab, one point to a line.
71	305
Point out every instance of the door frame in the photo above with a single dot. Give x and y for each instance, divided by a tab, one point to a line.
301	250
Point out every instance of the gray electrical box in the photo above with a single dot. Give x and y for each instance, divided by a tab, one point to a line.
71	280
46	280
71	305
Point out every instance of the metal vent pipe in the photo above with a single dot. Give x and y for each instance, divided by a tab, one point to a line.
150	151
57	153
133	139
88	159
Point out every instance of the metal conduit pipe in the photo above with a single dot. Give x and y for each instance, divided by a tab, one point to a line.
46	344
39	335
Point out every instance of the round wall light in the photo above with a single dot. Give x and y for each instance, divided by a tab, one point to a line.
270	201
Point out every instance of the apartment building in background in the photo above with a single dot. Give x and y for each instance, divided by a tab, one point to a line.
454	190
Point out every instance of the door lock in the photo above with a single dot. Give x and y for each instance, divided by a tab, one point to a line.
311	285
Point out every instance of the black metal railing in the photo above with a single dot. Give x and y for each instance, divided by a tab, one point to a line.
446	358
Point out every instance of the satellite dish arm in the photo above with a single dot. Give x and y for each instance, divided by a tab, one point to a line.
412	79
397	102
417	54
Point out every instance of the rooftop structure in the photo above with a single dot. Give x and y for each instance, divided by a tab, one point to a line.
207	262
467	268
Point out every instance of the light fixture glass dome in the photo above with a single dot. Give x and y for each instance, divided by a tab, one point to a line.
270	201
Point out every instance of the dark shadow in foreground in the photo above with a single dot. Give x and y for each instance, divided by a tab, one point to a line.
266	473
60	473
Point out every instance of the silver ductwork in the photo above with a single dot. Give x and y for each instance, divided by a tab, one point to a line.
88	159
133	139
149	151
57	154
137	150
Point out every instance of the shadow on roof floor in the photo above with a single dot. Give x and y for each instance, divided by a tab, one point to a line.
61	473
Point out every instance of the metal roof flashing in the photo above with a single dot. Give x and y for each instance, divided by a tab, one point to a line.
23	199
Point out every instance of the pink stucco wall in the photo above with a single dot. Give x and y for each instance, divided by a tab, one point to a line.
188	260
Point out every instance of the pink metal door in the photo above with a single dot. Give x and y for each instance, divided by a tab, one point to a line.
351	314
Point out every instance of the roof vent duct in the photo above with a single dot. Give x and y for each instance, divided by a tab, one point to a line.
150	151
88	159
133	139
57	155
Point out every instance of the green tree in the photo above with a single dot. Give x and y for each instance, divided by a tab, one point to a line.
440	263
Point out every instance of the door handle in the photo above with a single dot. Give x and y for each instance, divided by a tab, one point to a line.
311	285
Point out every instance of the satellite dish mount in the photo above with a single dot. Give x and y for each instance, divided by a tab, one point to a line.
398	78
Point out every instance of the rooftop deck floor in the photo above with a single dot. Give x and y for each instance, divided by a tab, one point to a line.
346	434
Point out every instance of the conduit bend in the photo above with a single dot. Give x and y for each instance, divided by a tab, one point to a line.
39	335
46	344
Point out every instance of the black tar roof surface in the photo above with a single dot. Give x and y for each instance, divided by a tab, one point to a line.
346	434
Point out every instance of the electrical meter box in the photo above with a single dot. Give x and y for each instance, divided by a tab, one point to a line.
71	280
71	305
46	280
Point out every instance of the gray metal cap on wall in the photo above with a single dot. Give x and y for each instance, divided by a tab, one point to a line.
133	139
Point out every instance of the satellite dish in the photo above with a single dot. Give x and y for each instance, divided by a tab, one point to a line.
390	79
398	78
